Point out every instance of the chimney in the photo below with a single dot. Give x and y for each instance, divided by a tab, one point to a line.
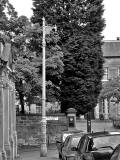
118	38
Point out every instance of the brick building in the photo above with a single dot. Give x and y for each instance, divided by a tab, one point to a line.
111	53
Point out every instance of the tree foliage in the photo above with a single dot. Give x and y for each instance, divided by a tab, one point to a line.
26	42
54	58
27	53
79	24
110	89
12	29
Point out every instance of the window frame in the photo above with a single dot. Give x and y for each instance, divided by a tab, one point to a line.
106	74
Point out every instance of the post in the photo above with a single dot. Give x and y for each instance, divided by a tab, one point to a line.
11	120
3	155
88	122
43	147
14	123
6	119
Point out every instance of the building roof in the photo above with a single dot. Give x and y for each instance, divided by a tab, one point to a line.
71	110
111	48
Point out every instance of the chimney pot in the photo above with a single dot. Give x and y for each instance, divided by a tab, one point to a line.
118	38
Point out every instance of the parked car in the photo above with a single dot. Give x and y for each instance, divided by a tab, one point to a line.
116	153
96	146
70	142
60	140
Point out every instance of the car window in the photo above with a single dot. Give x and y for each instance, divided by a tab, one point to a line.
66	141
106	141
90	145
65	135
74	141
81	144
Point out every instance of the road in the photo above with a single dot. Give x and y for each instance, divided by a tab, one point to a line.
52	152
96	126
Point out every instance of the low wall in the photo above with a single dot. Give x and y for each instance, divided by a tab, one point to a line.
28	128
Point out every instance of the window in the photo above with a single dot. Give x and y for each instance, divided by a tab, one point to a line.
38	109
81	144
75	141
66	141
105	76
90	145
65	135
110	140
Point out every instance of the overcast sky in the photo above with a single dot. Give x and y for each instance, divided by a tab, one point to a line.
111	15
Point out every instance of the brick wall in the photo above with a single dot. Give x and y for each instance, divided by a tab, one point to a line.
28	128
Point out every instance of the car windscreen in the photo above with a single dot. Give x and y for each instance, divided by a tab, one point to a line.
65	135
75	141
106	141
66	141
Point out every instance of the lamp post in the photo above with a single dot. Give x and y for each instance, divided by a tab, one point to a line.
43	146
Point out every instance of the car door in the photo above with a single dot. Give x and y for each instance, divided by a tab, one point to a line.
89	153
101	154
98	153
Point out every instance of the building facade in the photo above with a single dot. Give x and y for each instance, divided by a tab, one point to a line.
111	53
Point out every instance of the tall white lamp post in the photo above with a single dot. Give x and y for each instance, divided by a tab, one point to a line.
43	146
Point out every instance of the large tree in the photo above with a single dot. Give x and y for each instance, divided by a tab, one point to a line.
79	24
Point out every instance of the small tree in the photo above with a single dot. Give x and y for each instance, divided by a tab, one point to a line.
110	89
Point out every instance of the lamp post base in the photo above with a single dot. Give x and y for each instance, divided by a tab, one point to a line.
8	151
43	146
43	150
4	156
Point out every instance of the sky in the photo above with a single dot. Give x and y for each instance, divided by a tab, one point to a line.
111	15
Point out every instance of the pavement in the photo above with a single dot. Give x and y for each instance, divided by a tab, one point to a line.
34	154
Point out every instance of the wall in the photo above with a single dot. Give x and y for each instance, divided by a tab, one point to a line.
113	65
28	128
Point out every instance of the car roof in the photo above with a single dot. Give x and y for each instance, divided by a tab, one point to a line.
76	135
103	133
72	131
